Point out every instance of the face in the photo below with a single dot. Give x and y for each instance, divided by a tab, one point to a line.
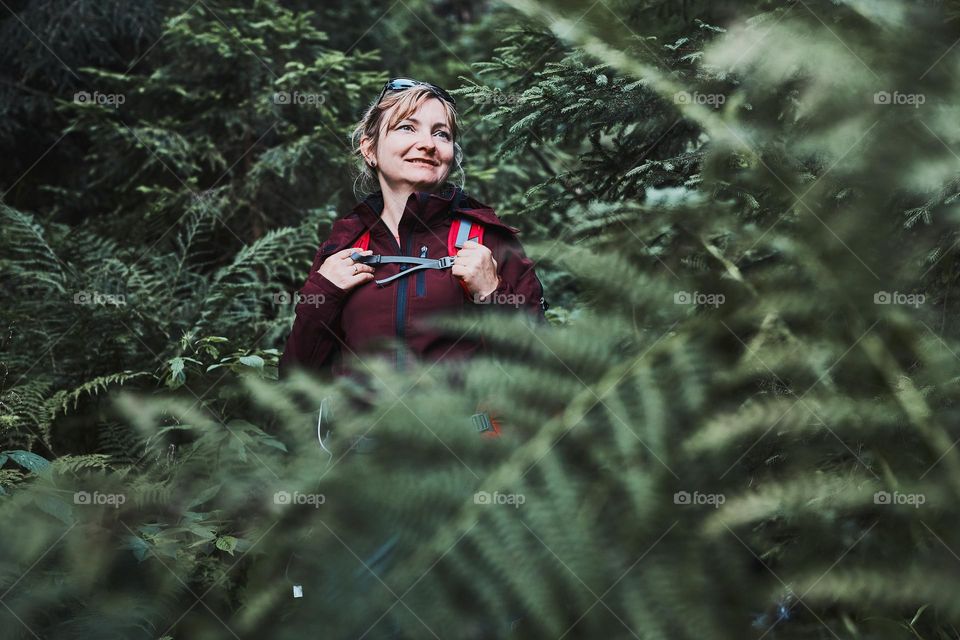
417	153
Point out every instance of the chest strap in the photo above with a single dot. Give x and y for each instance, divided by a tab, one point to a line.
422	263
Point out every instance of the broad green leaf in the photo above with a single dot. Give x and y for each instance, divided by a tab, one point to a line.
177	377
227	543
29	461
138	545
200	531
205	495
252	361
270	441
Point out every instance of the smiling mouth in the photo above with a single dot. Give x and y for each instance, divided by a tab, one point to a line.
423	163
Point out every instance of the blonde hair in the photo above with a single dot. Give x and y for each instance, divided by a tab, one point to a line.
407	101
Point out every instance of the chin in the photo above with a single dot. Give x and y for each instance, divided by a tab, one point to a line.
426	175
426	185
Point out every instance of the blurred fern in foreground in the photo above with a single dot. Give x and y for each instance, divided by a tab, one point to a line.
744	430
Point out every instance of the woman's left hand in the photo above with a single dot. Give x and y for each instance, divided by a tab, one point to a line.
476	267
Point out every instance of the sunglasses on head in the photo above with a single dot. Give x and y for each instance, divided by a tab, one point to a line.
399	84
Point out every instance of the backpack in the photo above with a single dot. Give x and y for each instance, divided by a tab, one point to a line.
461	230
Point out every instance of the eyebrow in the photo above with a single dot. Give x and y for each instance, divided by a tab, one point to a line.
437	124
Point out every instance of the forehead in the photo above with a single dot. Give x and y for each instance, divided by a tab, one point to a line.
431	112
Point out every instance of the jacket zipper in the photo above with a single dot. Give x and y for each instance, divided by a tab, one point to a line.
402	292
422	276
402	304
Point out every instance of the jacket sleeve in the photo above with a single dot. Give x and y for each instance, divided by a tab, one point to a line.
519	286
316	333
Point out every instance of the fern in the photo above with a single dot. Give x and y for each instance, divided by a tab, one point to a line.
28	256
60	401
725	434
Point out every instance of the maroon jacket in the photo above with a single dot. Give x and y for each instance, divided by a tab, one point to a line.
333	324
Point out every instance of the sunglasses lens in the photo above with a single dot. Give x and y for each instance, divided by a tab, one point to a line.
401	83
398	84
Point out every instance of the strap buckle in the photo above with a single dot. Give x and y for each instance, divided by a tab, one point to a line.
482	422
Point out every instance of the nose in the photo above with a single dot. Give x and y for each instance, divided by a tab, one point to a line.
427	143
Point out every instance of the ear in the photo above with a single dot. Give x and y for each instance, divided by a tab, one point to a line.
365	149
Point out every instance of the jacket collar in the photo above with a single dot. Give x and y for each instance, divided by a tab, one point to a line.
430	209
423	207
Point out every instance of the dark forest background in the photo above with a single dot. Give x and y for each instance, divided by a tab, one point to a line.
741	421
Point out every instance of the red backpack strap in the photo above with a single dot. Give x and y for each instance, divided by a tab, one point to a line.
364	241
460	231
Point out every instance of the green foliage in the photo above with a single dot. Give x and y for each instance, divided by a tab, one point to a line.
740	425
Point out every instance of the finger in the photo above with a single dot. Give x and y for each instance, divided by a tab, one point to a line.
475	246
467	262
473	254
362	253
344	253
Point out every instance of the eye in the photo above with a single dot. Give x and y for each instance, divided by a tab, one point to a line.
445	134
410	126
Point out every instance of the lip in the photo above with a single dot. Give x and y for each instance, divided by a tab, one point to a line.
423	161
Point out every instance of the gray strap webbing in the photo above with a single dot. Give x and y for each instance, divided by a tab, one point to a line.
422	263
463	233
356	257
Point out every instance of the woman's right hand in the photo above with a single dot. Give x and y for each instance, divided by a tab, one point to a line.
342	271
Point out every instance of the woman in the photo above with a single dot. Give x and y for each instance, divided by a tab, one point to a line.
407	141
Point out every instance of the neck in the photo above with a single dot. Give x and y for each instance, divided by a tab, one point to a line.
395	201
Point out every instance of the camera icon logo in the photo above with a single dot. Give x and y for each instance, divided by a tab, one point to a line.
682	297
881	497
281	497
681	497
682	97
81	97
81	497
281	97
881	297
481	497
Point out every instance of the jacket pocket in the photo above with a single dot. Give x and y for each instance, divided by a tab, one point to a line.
422	275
